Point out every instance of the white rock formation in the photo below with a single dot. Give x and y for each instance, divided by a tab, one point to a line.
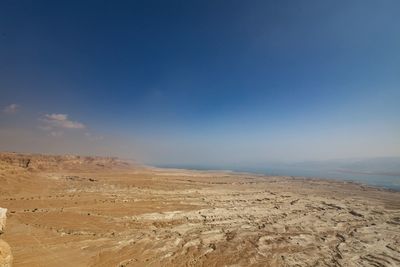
6	257
3	218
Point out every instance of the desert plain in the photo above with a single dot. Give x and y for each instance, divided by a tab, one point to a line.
100	211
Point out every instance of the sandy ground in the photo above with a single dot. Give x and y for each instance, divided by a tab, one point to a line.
75	211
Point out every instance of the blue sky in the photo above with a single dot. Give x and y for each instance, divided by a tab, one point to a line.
201	81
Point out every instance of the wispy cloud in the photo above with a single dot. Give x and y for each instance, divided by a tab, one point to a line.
61	121
56	124
11	109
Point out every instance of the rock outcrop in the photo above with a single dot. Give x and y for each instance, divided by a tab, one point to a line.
54	162
5	250
3	218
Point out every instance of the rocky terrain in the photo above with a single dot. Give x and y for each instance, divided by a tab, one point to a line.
5	251
91	211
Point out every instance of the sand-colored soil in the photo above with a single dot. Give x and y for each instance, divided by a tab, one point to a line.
75	211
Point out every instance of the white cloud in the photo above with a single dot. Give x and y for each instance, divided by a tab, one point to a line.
58	125
61	121
11	109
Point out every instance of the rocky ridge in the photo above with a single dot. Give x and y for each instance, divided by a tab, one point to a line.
59	162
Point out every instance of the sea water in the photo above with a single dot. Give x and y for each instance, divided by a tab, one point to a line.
388	181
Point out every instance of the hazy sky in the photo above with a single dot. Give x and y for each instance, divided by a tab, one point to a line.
222	82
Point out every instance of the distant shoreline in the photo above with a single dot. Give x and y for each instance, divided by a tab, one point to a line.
381	186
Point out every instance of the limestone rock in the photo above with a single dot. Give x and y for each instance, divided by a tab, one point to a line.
5	250
6	257
3	218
